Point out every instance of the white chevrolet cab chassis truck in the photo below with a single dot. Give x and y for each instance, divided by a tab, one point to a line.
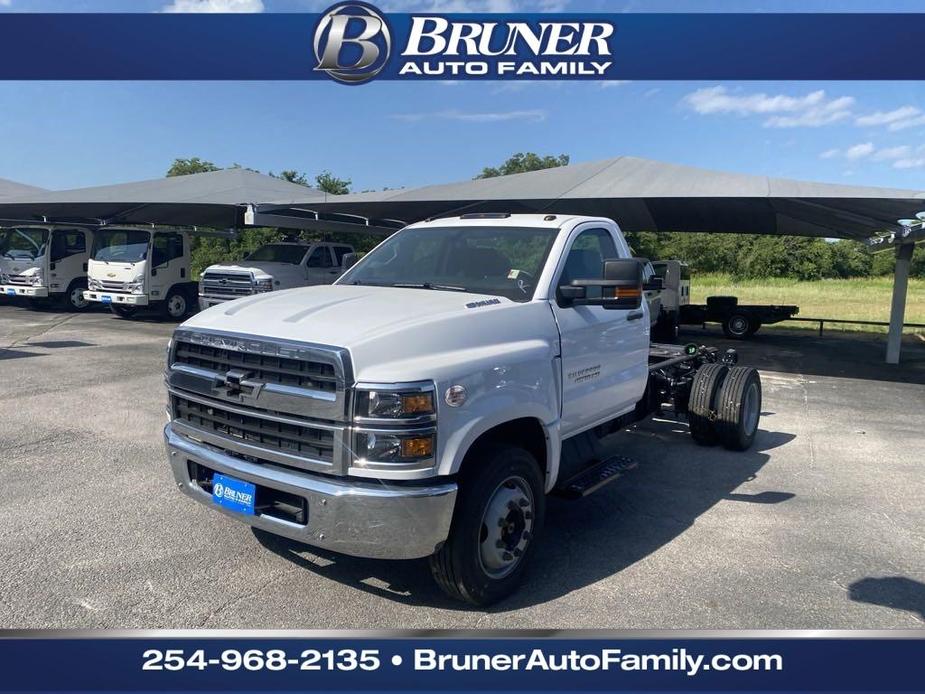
132	268
427	403
45	264
273	267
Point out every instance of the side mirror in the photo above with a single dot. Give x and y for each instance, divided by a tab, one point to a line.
655	284
621	287
349	260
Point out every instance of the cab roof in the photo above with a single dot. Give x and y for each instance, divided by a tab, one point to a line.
499	219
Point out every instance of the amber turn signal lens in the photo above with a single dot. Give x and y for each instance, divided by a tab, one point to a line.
417	403
421	447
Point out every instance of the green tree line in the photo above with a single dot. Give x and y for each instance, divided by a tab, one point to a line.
744	256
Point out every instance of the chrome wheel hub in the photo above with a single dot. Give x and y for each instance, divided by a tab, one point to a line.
507	527
176	306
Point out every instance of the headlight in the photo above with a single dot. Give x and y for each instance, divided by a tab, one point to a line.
94	285
135	287
395	404
264	285
38	278
380	447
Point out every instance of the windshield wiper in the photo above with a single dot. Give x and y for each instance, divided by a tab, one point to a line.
429	285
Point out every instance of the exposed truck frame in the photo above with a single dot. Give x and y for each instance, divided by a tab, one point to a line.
427	403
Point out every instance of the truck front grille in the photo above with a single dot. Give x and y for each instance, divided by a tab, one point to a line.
20	280
256	428
226	285
296	373
109	286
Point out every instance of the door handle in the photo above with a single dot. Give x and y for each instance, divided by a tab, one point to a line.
635	316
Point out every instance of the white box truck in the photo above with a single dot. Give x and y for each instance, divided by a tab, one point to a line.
131	268
426	403
45	264
273	267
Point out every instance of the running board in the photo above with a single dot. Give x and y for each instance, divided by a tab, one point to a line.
595	477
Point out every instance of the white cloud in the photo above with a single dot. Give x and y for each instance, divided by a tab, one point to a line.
897	119
830	154
890	153
531	116
610	84
215	6
860	151
782	110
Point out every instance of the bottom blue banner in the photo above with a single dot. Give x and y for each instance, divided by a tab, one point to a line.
146	661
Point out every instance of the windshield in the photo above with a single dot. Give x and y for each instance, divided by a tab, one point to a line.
279	253
121	245
23	243
501	261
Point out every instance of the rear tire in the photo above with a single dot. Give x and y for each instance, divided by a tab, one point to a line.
737	326
499	513
127	312
701	415
738	408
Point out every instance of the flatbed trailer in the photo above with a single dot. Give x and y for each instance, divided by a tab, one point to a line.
739	321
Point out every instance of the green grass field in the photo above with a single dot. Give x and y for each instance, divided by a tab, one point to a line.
855	299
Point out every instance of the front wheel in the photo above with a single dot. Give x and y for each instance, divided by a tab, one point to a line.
74	299
499	513
737	326
175	306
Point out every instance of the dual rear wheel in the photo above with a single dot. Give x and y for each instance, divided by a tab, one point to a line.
725	406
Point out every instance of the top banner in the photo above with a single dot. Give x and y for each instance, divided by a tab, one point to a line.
356	43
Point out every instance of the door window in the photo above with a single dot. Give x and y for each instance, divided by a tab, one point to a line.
340	252
167	247
586	259
64	244
320	257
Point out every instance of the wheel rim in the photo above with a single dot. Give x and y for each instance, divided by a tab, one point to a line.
77	298
176	306
738	325
507	527
751	407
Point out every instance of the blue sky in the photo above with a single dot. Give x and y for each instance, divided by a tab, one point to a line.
61	135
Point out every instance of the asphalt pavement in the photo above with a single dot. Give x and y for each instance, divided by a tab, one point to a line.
820	525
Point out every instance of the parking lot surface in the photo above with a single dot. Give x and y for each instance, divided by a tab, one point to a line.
820	525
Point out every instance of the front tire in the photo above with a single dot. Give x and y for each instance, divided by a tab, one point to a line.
176	306
74	298
499	513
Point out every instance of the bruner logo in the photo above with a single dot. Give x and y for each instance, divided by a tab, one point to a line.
352	42
219	490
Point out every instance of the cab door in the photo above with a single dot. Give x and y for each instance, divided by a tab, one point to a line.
70	252
169	263
320	267
604	351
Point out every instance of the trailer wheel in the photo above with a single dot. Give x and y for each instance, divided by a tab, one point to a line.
499	512
738	408
737	325
701	413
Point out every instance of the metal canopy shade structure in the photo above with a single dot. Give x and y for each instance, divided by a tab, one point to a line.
645	195
214	199
12	189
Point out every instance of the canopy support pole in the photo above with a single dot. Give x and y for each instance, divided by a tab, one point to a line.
898	308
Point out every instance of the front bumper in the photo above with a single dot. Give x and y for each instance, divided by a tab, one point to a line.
210	301
34	292
116	299
362	518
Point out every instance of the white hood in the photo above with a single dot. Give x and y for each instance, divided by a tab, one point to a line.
115	272
19	267
393	334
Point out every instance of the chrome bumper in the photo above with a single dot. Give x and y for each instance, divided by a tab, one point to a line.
379	520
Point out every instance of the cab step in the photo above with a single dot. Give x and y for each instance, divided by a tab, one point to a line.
595	477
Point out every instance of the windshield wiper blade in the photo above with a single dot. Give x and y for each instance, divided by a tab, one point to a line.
429	285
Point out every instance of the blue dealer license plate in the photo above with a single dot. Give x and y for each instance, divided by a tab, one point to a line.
106	299
233	494
11	292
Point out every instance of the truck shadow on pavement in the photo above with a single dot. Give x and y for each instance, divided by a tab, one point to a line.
895	592
588	540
